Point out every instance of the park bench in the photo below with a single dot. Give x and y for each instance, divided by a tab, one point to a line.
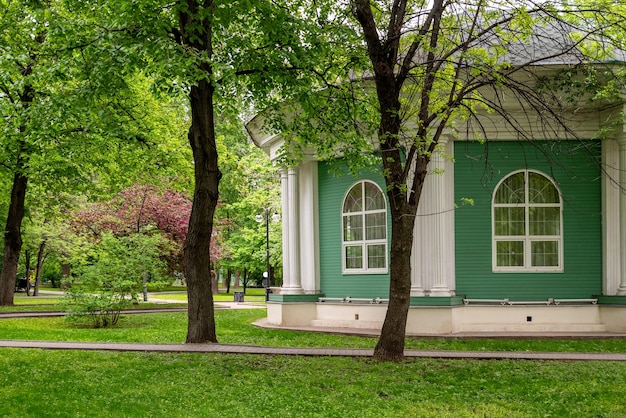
21	284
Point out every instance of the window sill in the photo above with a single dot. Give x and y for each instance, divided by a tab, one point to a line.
527	270
361	272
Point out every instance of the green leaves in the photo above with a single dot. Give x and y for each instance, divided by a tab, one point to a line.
108	280
249	186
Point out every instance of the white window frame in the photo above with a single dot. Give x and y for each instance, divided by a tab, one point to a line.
526	238
363	243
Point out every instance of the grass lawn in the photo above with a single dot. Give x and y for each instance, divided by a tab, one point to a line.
175	293
233	327
169	296
36	300
99	384
251	295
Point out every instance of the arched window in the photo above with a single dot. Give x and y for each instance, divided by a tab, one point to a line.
527	224
364	218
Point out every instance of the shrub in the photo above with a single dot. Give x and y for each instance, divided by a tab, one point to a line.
102	310
111	277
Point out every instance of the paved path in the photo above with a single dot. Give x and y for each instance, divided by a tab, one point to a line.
294	351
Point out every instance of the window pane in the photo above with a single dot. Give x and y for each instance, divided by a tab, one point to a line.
511	190
364	227
354	257
374	198
509	221
510	253
353	228
545	253
541	189
376	256
375	226
354	199
544	221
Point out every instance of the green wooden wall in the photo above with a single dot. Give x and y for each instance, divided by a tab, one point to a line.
574	167
332	282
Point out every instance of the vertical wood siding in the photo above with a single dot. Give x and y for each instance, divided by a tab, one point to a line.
574	166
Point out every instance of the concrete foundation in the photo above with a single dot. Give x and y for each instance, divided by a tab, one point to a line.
442	320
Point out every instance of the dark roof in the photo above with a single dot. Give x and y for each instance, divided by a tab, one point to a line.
554	43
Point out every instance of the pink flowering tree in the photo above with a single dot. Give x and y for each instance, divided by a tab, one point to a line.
136	208
144	208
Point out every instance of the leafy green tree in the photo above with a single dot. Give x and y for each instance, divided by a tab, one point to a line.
113	274
249	186
255	54
67	123
139	209
251	50
223	56
417	70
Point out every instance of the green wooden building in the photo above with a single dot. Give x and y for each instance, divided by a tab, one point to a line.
512	235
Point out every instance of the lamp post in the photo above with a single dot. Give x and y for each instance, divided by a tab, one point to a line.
259	218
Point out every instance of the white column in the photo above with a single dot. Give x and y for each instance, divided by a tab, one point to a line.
417	251
621	290
449	252
417	282
611	192
440	269
285	218
293	283
309	236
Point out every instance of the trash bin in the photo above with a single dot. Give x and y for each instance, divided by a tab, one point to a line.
238	296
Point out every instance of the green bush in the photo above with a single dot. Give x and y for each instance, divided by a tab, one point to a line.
101	310
109	279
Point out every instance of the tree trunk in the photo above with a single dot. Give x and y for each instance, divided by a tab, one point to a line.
201	325
13	238
13	227
41	256
26	262
237	279
65	275
390	346
195	27
214	285
227	280
403	196
27	257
